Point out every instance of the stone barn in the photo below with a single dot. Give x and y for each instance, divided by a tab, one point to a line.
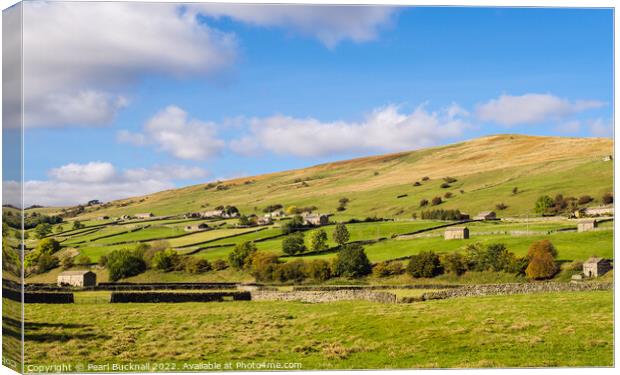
77	278
316	219
586	225
456	233
264	221
144	215
486	215
595	267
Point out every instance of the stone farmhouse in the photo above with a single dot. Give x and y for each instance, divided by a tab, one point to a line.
486	215
586	225
316	219
456	233
274	214
196	227
77	278
595	267
264	221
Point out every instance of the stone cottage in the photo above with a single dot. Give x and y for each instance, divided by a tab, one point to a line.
586	225
456	233
77	278
316	219
595	267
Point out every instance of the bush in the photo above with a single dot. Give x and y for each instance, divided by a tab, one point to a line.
352	261
515	190
166	260
585	199
46	262
501	206
103	260
447	195
66	262
197	265
240	254
543	204
436	201
444	185
417	183
294	225
495	257
425	264
290	271
318	270
341	234
47	246
294	244
318	242
425	178
124	263
424	203
385	269
608	198
263	266
541	260
84	260
441	215
454	263
219	264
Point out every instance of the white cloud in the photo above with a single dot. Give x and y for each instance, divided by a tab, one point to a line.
383	130
330	24
78	183
79	56
569	127
172	131
531	108
601	128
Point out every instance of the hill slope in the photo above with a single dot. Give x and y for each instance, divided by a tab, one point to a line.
486	169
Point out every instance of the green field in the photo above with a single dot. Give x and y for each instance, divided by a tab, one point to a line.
537	330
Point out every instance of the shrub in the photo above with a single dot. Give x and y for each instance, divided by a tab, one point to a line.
263	265
42	230
103	260
294	225
585	199
197	265
447	195
515	190
454	263
493	257
290	271
541	262
240	254
48	246
424	202
46	262
318	242
84	260
425	178
501	206
219	264
294	244
166	260
444	185
77	225
441	215
318	270
124	263
425	264
543	203
436	201
341	234
417	183
352	261
449	179
608	198
66	262
385	269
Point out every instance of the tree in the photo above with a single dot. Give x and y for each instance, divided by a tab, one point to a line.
318	242
423	202
454	263
318	270
352	261
543	203
293	225
499	258
66	262
585	199
541	260
240	254
436	201
166	260
425	264
42	230
60	228
245	221
341	234
77	225
515	190
124	263
47	246
197	265
501	206
608	198
263	265
294	243
46	262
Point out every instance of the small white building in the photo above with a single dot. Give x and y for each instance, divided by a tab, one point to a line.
456	233
586	225
595	267
316	219
144	215
77	278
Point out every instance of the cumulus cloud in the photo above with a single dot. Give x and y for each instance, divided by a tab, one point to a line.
172	131
601	128
385	129
78	183
531	108
330	24
79	56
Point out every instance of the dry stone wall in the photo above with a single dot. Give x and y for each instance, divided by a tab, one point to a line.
324	296
522	288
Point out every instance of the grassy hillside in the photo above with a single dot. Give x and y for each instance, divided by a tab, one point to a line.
486	169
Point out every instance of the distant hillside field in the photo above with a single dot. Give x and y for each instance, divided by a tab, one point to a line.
486	171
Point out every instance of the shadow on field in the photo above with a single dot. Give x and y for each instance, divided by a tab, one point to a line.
12	328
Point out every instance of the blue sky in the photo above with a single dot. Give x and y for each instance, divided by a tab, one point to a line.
259	91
